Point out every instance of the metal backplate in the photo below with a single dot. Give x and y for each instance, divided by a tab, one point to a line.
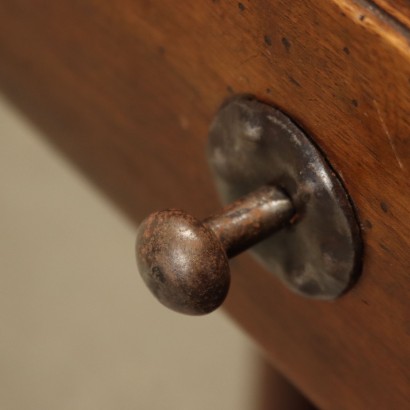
251	144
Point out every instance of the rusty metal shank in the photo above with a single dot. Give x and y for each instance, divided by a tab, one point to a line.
251	219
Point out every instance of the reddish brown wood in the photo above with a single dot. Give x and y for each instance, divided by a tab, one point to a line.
128	89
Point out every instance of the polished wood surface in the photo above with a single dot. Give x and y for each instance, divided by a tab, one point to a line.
128	89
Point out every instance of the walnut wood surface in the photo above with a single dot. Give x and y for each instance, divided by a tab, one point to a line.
128	90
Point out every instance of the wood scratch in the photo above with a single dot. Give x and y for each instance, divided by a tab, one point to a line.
389	137
265	54
253	56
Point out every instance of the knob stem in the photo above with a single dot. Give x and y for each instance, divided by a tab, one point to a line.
251	219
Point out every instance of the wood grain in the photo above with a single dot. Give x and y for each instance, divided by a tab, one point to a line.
128	89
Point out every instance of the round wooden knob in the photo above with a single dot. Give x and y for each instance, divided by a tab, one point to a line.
184	261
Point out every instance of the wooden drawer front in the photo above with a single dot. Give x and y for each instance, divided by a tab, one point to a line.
128	90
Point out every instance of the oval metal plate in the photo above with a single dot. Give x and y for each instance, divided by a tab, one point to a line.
252	144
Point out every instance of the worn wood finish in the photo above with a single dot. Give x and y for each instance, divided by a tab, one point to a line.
398	9
128	89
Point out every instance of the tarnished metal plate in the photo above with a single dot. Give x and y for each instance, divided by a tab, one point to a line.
252	144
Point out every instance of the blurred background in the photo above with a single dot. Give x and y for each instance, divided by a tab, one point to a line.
78	330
